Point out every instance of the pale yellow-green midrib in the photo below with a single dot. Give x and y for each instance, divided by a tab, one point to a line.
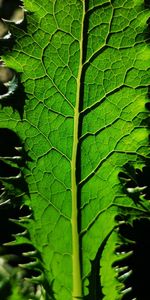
77	284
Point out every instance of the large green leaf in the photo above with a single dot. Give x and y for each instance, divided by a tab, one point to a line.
84	66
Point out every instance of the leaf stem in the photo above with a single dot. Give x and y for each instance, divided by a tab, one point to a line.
76	263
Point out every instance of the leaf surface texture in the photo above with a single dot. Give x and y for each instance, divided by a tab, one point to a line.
85	69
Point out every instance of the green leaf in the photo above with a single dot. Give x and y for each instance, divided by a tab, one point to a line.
84	66
111	286
123	259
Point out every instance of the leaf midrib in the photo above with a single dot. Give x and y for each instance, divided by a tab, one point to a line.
76	264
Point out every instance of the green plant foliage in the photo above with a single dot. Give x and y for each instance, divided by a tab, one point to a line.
85	70
12	285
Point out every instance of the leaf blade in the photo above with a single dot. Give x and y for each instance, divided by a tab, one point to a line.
70	74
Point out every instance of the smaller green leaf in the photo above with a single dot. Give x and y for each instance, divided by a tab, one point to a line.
111	287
